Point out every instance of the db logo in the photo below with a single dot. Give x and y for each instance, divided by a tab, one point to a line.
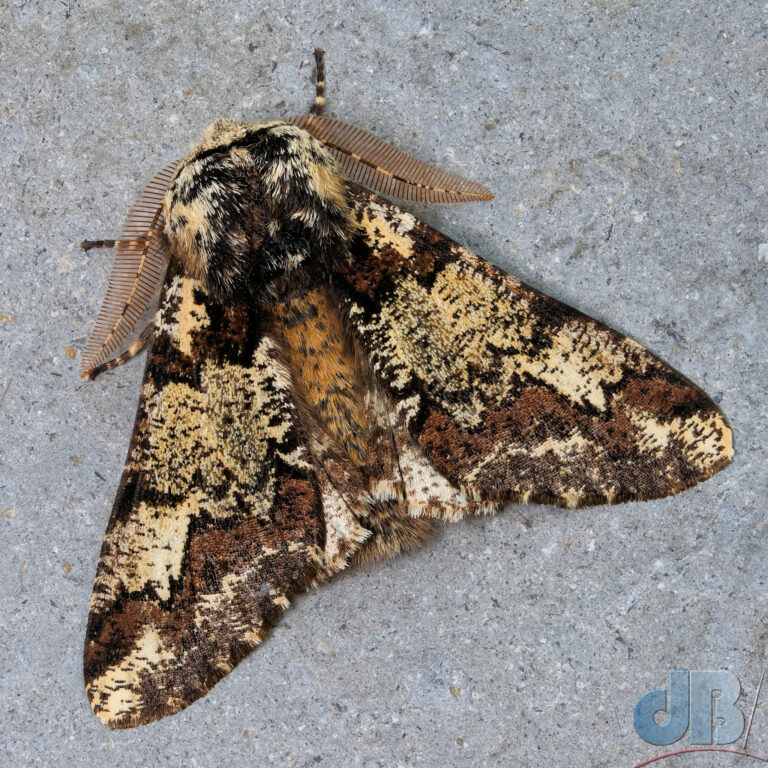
690	703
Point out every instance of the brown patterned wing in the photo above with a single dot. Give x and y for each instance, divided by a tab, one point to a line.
507	394
217	520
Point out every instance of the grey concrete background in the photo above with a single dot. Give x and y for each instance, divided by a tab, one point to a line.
626	143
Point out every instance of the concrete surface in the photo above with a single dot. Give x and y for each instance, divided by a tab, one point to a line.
626	143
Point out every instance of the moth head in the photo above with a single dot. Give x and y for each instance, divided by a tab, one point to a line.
251	203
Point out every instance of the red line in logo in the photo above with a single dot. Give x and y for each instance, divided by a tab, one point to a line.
702	749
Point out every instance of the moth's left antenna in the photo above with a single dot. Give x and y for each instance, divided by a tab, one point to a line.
318	105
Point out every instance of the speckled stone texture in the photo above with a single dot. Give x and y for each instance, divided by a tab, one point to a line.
627	145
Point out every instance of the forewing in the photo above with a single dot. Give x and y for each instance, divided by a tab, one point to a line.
508	394
217	520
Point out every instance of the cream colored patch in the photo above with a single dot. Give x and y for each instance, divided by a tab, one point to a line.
653	436
116	693
424	486
192	317
185	315
223	429
704	441
578	362
153	544
443	336
296	458
187	221
475	307
148	549
307	216
403	223
387	490
343	533
326	181
177	438
378	230
572	497
565	449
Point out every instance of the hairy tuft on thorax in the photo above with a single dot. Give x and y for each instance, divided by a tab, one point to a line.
251	203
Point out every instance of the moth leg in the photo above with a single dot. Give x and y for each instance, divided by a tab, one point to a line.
123	357
138	242
318	105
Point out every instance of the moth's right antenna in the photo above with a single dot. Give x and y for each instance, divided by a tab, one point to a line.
137	274
318	105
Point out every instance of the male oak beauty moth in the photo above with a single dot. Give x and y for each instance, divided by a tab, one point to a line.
327	378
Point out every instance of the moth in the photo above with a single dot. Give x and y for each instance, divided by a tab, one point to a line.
328	378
